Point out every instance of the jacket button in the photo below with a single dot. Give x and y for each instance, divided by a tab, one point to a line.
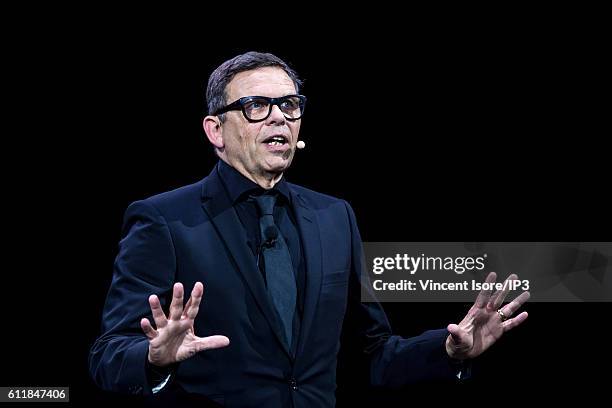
293	384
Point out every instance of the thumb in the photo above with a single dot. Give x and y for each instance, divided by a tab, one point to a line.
211	342
456	333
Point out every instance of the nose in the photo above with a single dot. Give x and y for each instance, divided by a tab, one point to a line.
276	116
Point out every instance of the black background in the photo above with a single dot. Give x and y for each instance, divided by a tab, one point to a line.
432	135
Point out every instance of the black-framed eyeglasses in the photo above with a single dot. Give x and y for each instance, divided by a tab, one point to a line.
258	108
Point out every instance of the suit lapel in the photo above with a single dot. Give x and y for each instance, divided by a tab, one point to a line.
311	242
222	214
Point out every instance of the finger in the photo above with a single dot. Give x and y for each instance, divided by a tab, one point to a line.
211	342
176	307
499	296
485	294
515	321
145	324
187	306
194	301
158	314
513	306
492	300
197	291
456	333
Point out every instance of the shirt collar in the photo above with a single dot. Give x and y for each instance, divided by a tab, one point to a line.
238	186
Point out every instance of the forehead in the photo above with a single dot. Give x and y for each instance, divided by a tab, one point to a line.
267	81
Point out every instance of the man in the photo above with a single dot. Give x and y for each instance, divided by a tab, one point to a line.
280	265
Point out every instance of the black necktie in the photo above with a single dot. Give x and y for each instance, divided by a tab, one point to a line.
278	266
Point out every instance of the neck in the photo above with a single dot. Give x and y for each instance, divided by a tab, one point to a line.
264	180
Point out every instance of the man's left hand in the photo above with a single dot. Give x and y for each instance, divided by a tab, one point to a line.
484	325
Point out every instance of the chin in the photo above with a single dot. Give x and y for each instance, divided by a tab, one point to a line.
277	166
276	169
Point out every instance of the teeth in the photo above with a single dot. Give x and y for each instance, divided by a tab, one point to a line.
276	141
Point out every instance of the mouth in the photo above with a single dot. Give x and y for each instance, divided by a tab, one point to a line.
276	140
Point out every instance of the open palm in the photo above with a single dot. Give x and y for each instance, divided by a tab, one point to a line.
483	324
174	339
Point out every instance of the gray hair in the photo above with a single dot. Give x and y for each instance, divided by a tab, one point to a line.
216	97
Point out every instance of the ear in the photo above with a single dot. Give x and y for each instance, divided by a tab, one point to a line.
212	128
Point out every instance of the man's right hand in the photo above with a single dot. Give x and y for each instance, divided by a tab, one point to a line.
174	340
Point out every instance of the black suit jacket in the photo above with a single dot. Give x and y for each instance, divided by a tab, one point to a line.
193	234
